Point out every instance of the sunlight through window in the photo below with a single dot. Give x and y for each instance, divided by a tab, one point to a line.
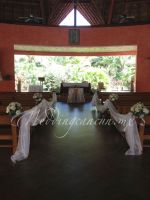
69	20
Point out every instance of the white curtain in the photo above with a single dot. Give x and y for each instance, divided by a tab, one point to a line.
124	123
95	99
29	118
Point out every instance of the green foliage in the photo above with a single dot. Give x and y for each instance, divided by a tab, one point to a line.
114	71
52	83
120	69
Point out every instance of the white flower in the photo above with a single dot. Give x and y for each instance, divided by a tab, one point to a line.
132	109
18	112
139	110
12	104
113	97
7	109
38	97
145	110
14	108
18	104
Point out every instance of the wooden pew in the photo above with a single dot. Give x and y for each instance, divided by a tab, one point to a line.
144	131
25	98
127	99
8	132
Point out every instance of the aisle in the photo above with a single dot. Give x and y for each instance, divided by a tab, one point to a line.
87	163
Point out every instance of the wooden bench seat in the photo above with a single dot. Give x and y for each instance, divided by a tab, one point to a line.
25	98
144	131
8	132
128	98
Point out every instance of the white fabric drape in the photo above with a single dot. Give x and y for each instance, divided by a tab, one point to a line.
29	118
95	99
54	98
124	123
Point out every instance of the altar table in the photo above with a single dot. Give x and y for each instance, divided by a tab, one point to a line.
76	95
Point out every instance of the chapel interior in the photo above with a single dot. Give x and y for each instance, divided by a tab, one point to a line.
58	146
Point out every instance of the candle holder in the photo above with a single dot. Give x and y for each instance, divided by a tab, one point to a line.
101	86
41	79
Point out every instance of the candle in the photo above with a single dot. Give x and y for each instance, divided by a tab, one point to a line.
19	85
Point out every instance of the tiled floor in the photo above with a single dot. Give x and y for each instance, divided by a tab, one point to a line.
75	159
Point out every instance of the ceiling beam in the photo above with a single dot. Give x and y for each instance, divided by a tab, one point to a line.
137	1
75	12
19	3
110	11
59	12
98	13
43	15
46	8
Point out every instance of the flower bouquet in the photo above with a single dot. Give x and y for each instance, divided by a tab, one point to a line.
113	97
139	110
14	108
37	97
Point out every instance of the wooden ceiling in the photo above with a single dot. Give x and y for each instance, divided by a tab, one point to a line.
97	12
